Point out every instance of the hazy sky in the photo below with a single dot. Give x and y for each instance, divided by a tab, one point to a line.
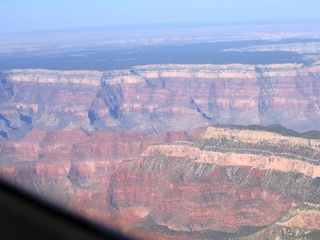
26	15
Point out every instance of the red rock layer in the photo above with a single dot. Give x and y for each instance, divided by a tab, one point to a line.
74	167
161	98
195	197
222	183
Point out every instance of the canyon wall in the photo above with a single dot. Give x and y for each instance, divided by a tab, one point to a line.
222	182
73	167
215	183
142	149
159	98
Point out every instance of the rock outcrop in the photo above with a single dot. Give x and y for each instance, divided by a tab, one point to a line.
301	222
140	149
224	182
158	98
221	182
73	167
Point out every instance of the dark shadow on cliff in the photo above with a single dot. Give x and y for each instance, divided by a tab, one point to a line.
24	216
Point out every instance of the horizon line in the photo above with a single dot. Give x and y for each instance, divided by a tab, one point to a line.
169	25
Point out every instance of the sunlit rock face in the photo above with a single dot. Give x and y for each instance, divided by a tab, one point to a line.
159	98
142	149
227	180
223	181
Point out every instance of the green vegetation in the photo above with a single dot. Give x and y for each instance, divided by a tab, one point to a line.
275	128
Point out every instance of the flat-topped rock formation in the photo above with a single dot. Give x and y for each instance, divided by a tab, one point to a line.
142	149
157	98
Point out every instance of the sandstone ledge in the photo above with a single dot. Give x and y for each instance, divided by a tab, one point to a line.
138	73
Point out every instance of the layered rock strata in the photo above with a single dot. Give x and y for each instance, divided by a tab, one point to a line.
224	182
159	98
215	183
117	146
73	167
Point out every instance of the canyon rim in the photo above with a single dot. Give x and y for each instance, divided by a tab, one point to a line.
205	149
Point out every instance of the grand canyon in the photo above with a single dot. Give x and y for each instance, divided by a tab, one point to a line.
173	151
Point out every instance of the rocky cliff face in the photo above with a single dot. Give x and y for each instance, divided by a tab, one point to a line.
73	167
123	147
220	182
155	98
224	182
